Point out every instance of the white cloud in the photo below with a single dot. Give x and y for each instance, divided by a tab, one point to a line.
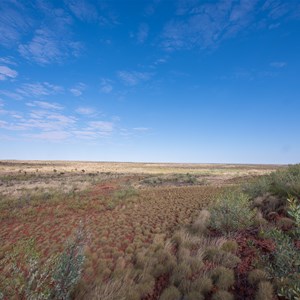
106	86
85	134
85	110
83	9
132	78
39	89
206	24
45	105
101	126
52	40
278	64
6	72
78	89
7	60
49	135
48	47
11	95
14	22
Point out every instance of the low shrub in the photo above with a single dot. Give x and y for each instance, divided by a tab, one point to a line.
202	285
222	295
255	276
232	213
223	277
170	293
265	291
194	296
230	246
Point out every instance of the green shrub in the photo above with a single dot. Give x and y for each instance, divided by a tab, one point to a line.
69	268
289	288
286	257
286	182
170	293
258	187
294	213
283	182
232	213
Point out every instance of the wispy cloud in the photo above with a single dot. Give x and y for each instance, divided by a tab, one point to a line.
39	89
45	105
48	136
92	11
11	95
278	64
86	111
8	60
14	22
78	89
101	126
106	86
206	25
52	39
132	78
83	9
46	121
49	47
142	33
6	72
85	134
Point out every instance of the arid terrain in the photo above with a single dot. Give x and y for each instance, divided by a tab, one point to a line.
121	209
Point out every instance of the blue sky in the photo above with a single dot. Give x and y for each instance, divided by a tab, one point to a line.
156	80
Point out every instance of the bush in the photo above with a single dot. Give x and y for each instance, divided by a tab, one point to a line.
265	291
232	213
257	188
256	276
230	246
223	277
194	296
283	182
202	285
222	295
69	268
170	293
221	257
286	257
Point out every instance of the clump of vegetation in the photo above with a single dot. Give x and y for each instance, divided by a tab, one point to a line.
170	293
230	246
232	213
255	276
281	184
265	291
54	278
222	295
174	179
223	278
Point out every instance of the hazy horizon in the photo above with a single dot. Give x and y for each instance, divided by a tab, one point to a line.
183	81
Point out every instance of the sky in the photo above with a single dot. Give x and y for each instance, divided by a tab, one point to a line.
150	80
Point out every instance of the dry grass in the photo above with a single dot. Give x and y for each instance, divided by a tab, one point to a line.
45	201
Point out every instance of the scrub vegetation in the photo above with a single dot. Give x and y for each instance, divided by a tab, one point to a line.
69	234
